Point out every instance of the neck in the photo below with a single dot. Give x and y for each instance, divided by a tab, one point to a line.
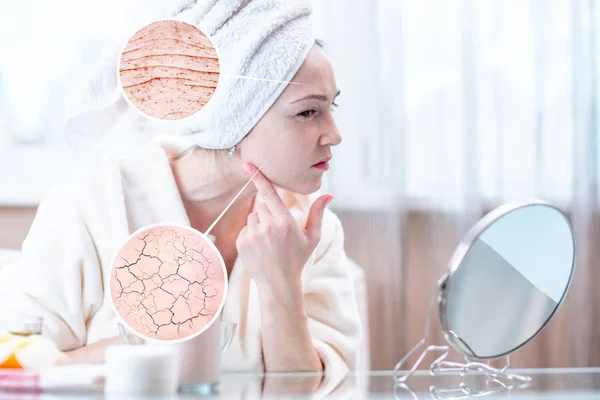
206	190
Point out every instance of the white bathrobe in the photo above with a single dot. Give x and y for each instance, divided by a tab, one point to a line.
79	228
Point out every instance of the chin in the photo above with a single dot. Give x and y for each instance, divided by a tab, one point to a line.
302	184
307	187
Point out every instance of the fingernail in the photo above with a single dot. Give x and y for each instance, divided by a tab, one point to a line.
247	168
328	200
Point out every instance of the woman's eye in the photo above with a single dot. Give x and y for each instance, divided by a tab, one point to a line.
334	106
307	113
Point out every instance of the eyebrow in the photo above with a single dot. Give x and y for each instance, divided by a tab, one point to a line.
320	97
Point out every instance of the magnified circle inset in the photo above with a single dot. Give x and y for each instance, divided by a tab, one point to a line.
168	70
168	283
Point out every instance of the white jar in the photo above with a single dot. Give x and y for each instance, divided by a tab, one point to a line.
141	371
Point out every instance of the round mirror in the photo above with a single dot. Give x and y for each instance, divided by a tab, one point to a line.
506	279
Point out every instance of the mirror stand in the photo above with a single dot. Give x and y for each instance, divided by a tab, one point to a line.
491	387
441	366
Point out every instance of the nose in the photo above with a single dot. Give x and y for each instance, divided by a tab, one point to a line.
332	135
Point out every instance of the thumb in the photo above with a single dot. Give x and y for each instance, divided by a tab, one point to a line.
315	218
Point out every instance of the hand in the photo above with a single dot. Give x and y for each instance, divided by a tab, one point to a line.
273	248
92	353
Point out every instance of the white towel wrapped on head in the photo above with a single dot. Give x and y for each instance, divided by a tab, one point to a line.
265	39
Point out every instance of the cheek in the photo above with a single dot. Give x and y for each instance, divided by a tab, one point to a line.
287	146
281	143
265	149
283	166
288	165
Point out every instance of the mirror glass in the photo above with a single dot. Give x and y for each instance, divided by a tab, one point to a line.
514	274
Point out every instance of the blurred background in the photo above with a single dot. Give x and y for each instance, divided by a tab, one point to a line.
448	108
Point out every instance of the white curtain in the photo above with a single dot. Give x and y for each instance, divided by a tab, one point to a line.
448	109
444	100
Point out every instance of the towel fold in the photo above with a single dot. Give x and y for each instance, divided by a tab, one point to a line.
265	39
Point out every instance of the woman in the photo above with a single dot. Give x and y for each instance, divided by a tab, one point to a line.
290	290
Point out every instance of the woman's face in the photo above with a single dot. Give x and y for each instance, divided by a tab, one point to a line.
298	131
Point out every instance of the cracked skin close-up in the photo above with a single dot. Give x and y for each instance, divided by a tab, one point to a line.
167	283
169	70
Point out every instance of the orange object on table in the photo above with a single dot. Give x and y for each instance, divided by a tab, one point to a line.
31	351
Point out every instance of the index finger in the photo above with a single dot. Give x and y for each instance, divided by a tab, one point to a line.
267	192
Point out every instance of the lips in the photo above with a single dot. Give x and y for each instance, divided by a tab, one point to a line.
323	164
323	161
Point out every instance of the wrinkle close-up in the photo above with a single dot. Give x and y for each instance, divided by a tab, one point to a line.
169	70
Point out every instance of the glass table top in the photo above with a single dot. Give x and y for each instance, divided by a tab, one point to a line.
546	383
557	383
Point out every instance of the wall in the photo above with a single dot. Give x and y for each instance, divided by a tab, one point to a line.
14	225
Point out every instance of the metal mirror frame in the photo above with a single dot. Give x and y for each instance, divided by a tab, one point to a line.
445	284
473	362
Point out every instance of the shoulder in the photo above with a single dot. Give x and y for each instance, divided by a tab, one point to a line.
104	180
59	204
65	207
